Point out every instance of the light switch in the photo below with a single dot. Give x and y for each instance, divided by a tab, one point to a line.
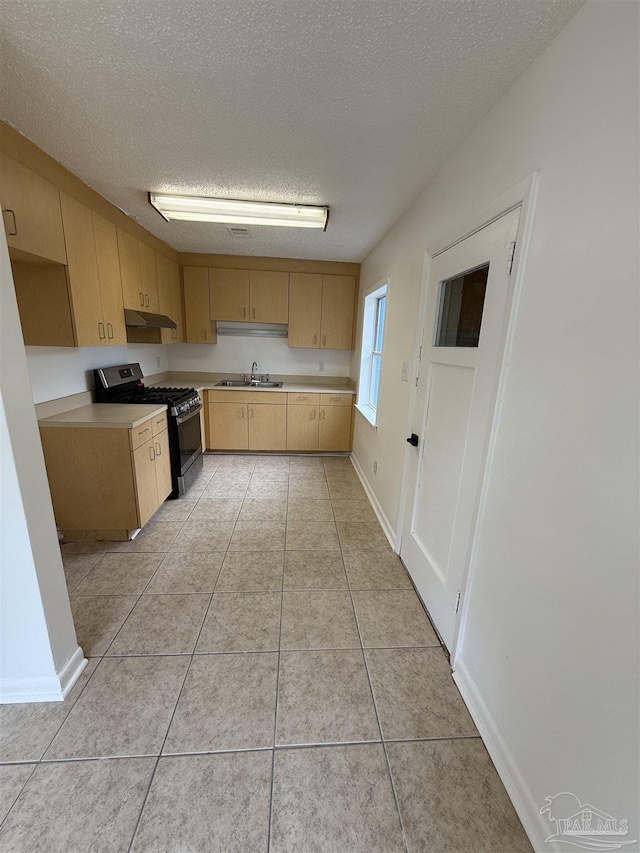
405	371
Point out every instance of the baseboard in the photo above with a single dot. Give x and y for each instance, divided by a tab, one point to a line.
389	532
536	827
50	688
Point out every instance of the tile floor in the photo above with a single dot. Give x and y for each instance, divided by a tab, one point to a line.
261	676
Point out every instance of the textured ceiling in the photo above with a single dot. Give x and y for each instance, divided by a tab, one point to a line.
350	103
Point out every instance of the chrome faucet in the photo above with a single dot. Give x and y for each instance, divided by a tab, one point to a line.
254	370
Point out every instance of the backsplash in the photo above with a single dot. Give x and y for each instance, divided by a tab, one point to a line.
236	354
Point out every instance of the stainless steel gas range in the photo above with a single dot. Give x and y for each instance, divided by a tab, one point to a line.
123	384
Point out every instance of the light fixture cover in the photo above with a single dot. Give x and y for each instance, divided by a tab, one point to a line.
230	212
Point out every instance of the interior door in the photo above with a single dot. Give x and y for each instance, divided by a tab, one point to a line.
466	319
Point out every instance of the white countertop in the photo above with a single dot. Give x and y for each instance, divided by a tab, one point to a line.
105	415
186	381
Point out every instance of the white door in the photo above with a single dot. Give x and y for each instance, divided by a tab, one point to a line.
462	346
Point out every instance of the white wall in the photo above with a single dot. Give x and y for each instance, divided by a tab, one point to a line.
39	653
58	371
235	355
551	643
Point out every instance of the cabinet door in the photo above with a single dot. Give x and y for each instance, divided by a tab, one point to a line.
267	427
110	283
196	306
228	426
269	296
334	428
165	301
302	427
305	310
129	255
176	301
338	304
82	266
31	212
163	466
229	294
149	278
144	466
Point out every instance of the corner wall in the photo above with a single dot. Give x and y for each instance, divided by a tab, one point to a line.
549	653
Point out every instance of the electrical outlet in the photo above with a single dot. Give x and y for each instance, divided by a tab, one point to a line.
405	371
158	361
375	467
321	366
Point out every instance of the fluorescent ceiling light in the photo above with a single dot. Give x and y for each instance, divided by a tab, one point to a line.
230	212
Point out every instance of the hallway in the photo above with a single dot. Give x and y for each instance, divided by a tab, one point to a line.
261	676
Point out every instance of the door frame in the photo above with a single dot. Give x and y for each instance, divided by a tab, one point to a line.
522	195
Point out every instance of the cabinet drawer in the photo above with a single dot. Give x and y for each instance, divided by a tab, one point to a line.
336	399
303	399
159	423
143	432
247	397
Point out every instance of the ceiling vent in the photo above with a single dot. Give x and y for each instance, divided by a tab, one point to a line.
238	230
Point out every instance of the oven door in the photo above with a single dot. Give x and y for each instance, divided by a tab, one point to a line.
189	439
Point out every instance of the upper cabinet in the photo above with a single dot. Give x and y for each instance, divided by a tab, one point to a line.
170	298
108	260
31	212
197	321
149	278
129	253
321	311
229	295
268	297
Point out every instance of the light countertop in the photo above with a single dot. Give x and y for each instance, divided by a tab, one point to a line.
184	380
105	415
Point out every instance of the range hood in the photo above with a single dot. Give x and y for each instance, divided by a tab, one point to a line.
146	320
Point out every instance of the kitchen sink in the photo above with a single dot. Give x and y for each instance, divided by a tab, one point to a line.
241	383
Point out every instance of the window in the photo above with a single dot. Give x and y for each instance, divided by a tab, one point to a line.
375	307
461	305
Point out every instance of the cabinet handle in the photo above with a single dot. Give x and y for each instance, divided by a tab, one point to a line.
142	431
300	399
335	398
141	298
322	414
324	340
250	413
15	223
315	340
204	331
101	331
146	300
158	448
313	414
242	410
152	453
244	311
254	313
110	330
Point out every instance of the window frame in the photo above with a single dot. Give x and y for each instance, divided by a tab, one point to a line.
368	353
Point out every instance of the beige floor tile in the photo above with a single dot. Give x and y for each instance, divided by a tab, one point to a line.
124	710
154	536
354	511
300	465
324	697
415	694
231	475
301	509
375	568
261	510
318	619
392	618
314	570
269	475
195	537
303	489
26	730
208	803
225	491
451	798
88	547
346	491
208	510
251	571
12	780
334	799
312	536
162	625
69	807
228	702
173	512
272	465
268	490
77	567
353	534
120	574
252	536
342	475
242	622
237	461
187	572
98	618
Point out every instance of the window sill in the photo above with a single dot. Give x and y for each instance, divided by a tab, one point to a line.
368	413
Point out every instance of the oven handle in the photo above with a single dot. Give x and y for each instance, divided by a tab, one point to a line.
188	417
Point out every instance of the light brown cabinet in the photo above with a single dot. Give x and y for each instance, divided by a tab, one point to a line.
229	295
31	212
106	240
302	427
106	482
197	322
319	422
148	278
267	426
228	426
132	293
246	420
170	298
321	311
334	428
268	297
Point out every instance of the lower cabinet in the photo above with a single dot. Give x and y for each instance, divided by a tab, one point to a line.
228	426
267	426
106	482
302	427
334	428
256	423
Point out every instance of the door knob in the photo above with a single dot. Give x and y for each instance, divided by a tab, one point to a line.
413	440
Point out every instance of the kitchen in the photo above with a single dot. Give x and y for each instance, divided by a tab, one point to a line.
301	526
